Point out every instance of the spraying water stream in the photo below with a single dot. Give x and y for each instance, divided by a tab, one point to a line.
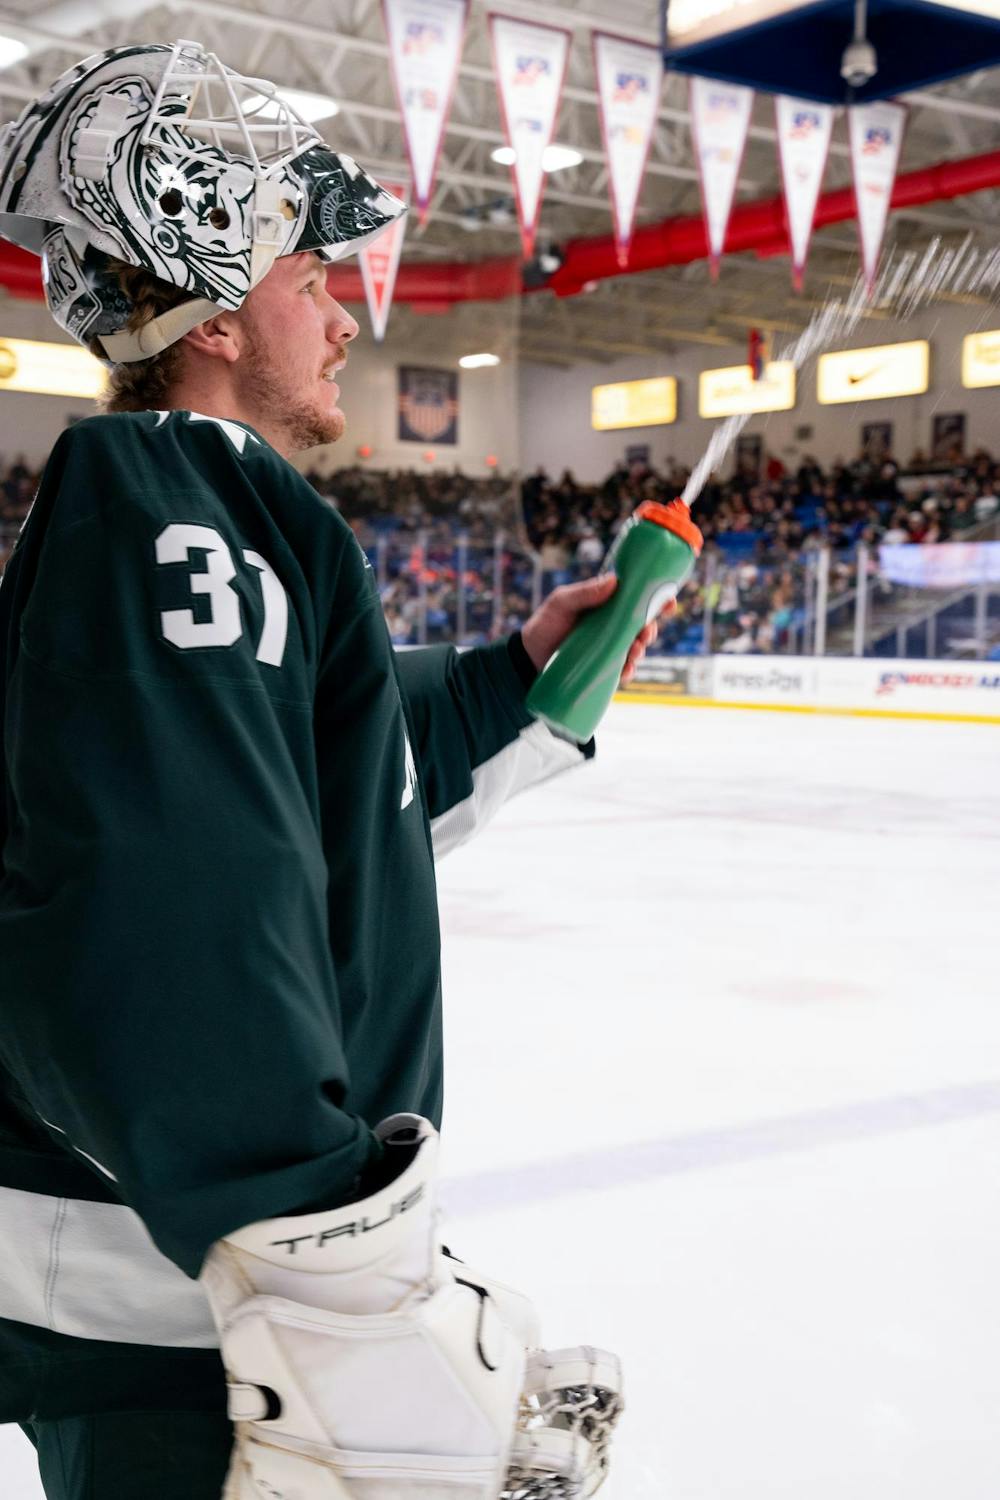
907	282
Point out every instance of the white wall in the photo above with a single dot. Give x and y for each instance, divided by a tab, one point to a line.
30	424
487	418
555	404
488	399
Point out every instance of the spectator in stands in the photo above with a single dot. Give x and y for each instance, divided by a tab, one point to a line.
963	515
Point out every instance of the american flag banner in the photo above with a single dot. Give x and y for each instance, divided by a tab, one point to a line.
428	405
876	134
803	129
629	85
530	66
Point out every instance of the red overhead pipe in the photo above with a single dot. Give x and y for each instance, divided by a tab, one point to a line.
460	281
759	226
20	271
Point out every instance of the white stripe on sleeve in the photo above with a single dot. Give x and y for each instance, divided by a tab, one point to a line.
535	756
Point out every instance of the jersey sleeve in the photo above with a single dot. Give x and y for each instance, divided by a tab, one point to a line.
476	744
170	999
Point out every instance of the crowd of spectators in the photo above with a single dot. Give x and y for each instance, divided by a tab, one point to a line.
465	556
761	525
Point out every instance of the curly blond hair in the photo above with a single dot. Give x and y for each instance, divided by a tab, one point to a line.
145	384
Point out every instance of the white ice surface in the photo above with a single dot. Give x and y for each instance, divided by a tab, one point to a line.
723	1030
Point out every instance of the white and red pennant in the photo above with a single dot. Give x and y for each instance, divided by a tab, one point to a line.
804	129
720	119
425	48
876	132
629	85
530	66
380	262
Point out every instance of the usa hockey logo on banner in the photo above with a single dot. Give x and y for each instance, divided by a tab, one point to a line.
421	37
530	66
529	70
804	130
875	140
804	122
425	48
629	84
428	405
628	87
876	133
720	119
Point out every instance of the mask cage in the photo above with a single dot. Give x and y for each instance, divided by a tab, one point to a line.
226	112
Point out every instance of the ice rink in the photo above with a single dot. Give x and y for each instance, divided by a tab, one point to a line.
724	1094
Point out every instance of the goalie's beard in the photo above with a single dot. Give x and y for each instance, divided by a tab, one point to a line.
274	388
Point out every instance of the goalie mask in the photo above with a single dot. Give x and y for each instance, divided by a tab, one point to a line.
164	158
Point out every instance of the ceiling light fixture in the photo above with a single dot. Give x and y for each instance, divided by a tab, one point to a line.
554	158
478	361
311	107
11	51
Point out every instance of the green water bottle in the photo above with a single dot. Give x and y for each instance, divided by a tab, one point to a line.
652	556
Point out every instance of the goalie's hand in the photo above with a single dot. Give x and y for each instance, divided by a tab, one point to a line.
552	621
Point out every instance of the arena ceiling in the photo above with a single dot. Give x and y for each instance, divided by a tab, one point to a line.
338	47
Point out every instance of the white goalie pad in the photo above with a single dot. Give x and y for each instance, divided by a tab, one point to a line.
365	1362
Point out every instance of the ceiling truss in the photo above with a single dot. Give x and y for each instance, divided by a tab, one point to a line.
339	47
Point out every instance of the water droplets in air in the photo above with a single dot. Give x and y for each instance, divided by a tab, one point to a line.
907	282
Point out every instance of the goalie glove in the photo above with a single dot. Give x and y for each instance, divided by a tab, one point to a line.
363	1364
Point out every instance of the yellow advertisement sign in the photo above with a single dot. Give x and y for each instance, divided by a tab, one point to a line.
981	359
988	8
50	369
690	21
733	390
634	403
873	374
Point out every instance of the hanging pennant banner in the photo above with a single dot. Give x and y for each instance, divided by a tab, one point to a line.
629	84
720	119
425	47
876	132
380	262
803	144
530	66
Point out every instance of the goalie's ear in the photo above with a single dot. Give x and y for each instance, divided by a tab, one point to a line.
222	337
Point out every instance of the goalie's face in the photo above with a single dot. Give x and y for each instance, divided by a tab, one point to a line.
293	344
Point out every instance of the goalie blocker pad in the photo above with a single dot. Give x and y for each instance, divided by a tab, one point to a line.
365	1364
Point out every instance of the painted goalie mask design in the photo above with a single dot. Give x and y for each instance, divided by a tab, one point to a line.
164	158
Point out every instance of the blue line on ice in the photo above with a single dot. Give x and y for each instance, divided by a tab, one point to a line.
625	1165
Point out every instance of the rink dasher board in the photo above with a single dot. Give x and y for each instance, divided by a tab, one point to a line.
966	692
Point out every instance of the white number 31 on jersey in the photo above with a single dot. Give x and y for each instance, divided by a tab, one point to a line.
224	626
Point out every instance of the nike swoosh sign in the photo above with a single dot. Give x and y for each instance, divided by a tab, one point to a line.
867	375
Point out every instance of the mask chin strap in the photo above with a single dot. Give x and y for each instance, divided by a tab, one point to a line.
270	231
269	227
159	333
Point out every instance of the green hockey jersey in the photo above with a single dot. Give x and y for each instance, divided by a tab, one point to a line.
223	792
